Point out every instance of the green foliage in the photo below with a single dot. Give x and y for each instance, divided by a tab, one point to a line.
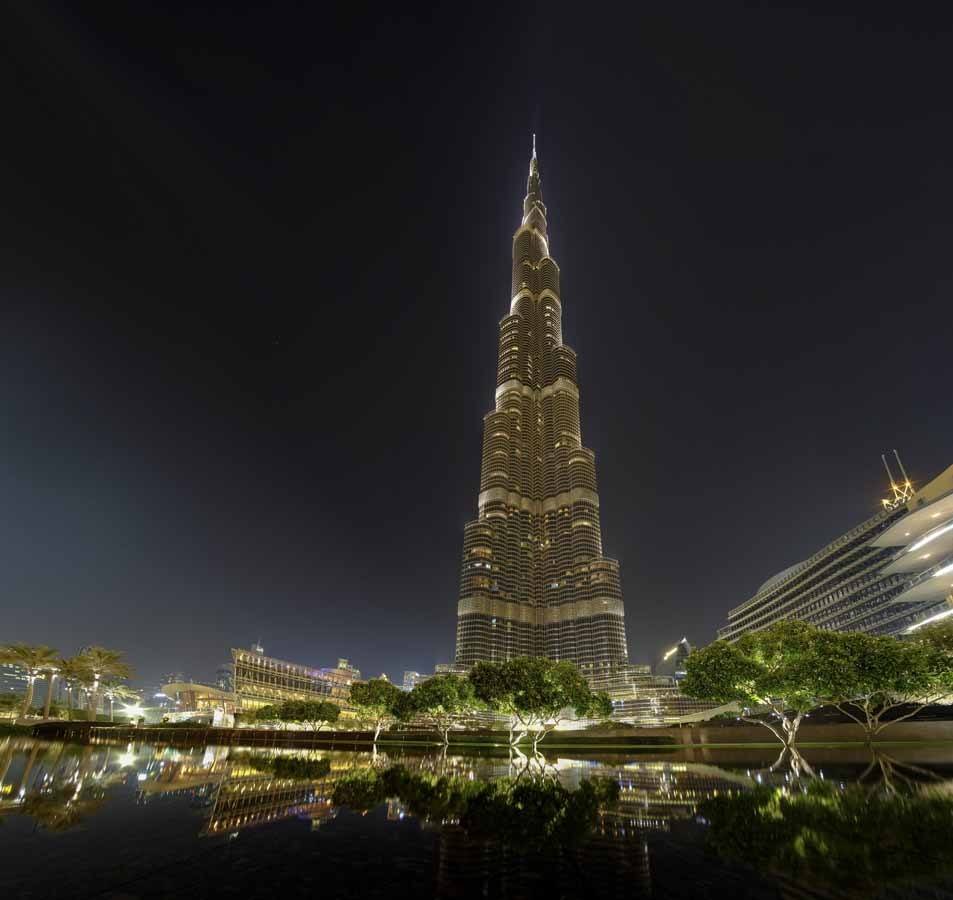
938	636
600	706
378	701
535	693
314	714
777	668
722	673
844	838
360	791
867	676
537	813
94	665
529	813
104	663
444	699
34	661
269	713
61	808
284	766
791	668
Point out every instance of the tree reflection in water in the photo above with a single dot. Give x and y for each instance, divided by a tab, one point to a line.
60	809
61	785
509	834
892	775
847	838
517	826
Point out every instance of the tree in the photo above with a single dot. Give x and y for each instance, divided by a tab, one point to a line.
34	661
116	690
72	671
937	637
826	836
443	699
776	668
868	676
268	713
377	701
102	663
536	694
314	714
536	815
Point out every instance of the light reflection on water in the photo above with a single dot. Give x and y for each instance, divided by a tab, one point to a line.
155	821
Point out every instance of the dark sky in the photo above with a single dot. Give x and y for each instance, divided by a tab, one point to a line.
252	265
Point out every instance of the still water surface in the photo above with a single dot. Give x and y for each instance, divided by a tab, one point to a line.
137	821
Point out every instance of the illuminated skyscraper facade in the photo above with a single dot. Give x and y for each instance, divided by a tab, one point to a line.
533	579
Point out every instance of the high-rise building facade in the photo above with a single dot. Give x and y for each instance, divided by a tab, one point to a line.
534	581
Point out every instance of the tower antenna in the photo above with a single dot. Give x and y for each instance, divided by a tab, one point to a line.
901	492
534	145
903	471
883	456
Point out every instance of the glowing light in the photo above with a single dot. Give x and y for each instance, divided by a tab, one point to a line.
133	710
936	618
670	652
932	536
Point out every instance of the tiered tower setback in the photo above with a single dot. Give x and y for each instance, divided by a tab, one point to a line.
533	580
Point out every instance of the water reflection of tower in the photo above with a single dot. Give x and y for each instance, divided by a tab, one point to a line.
468	867
613	861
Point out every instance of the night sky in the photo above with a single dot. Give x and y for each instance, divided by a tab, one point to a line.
252	266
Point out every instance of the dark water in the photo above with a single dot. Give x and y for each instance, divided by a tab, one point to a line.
149	821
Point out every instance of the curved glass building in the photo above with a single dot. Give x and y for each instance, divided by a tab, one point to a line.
891	574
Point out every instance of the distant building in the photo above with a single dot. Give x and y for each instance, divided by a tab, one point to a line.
345	670
450	669
672	661
260	680
224	677
12	679
200	702
411	680
891	574
641	698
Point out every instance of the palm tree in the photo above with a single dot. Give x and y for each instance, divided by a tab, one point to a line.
102	663
53	672
71	671
34	660
116	690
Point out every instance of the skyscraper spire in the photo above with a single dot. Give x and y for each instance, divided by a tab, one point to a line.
533	578
534	212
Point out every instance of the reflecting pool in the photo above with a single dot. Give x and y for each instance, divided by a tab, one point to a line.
143	820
